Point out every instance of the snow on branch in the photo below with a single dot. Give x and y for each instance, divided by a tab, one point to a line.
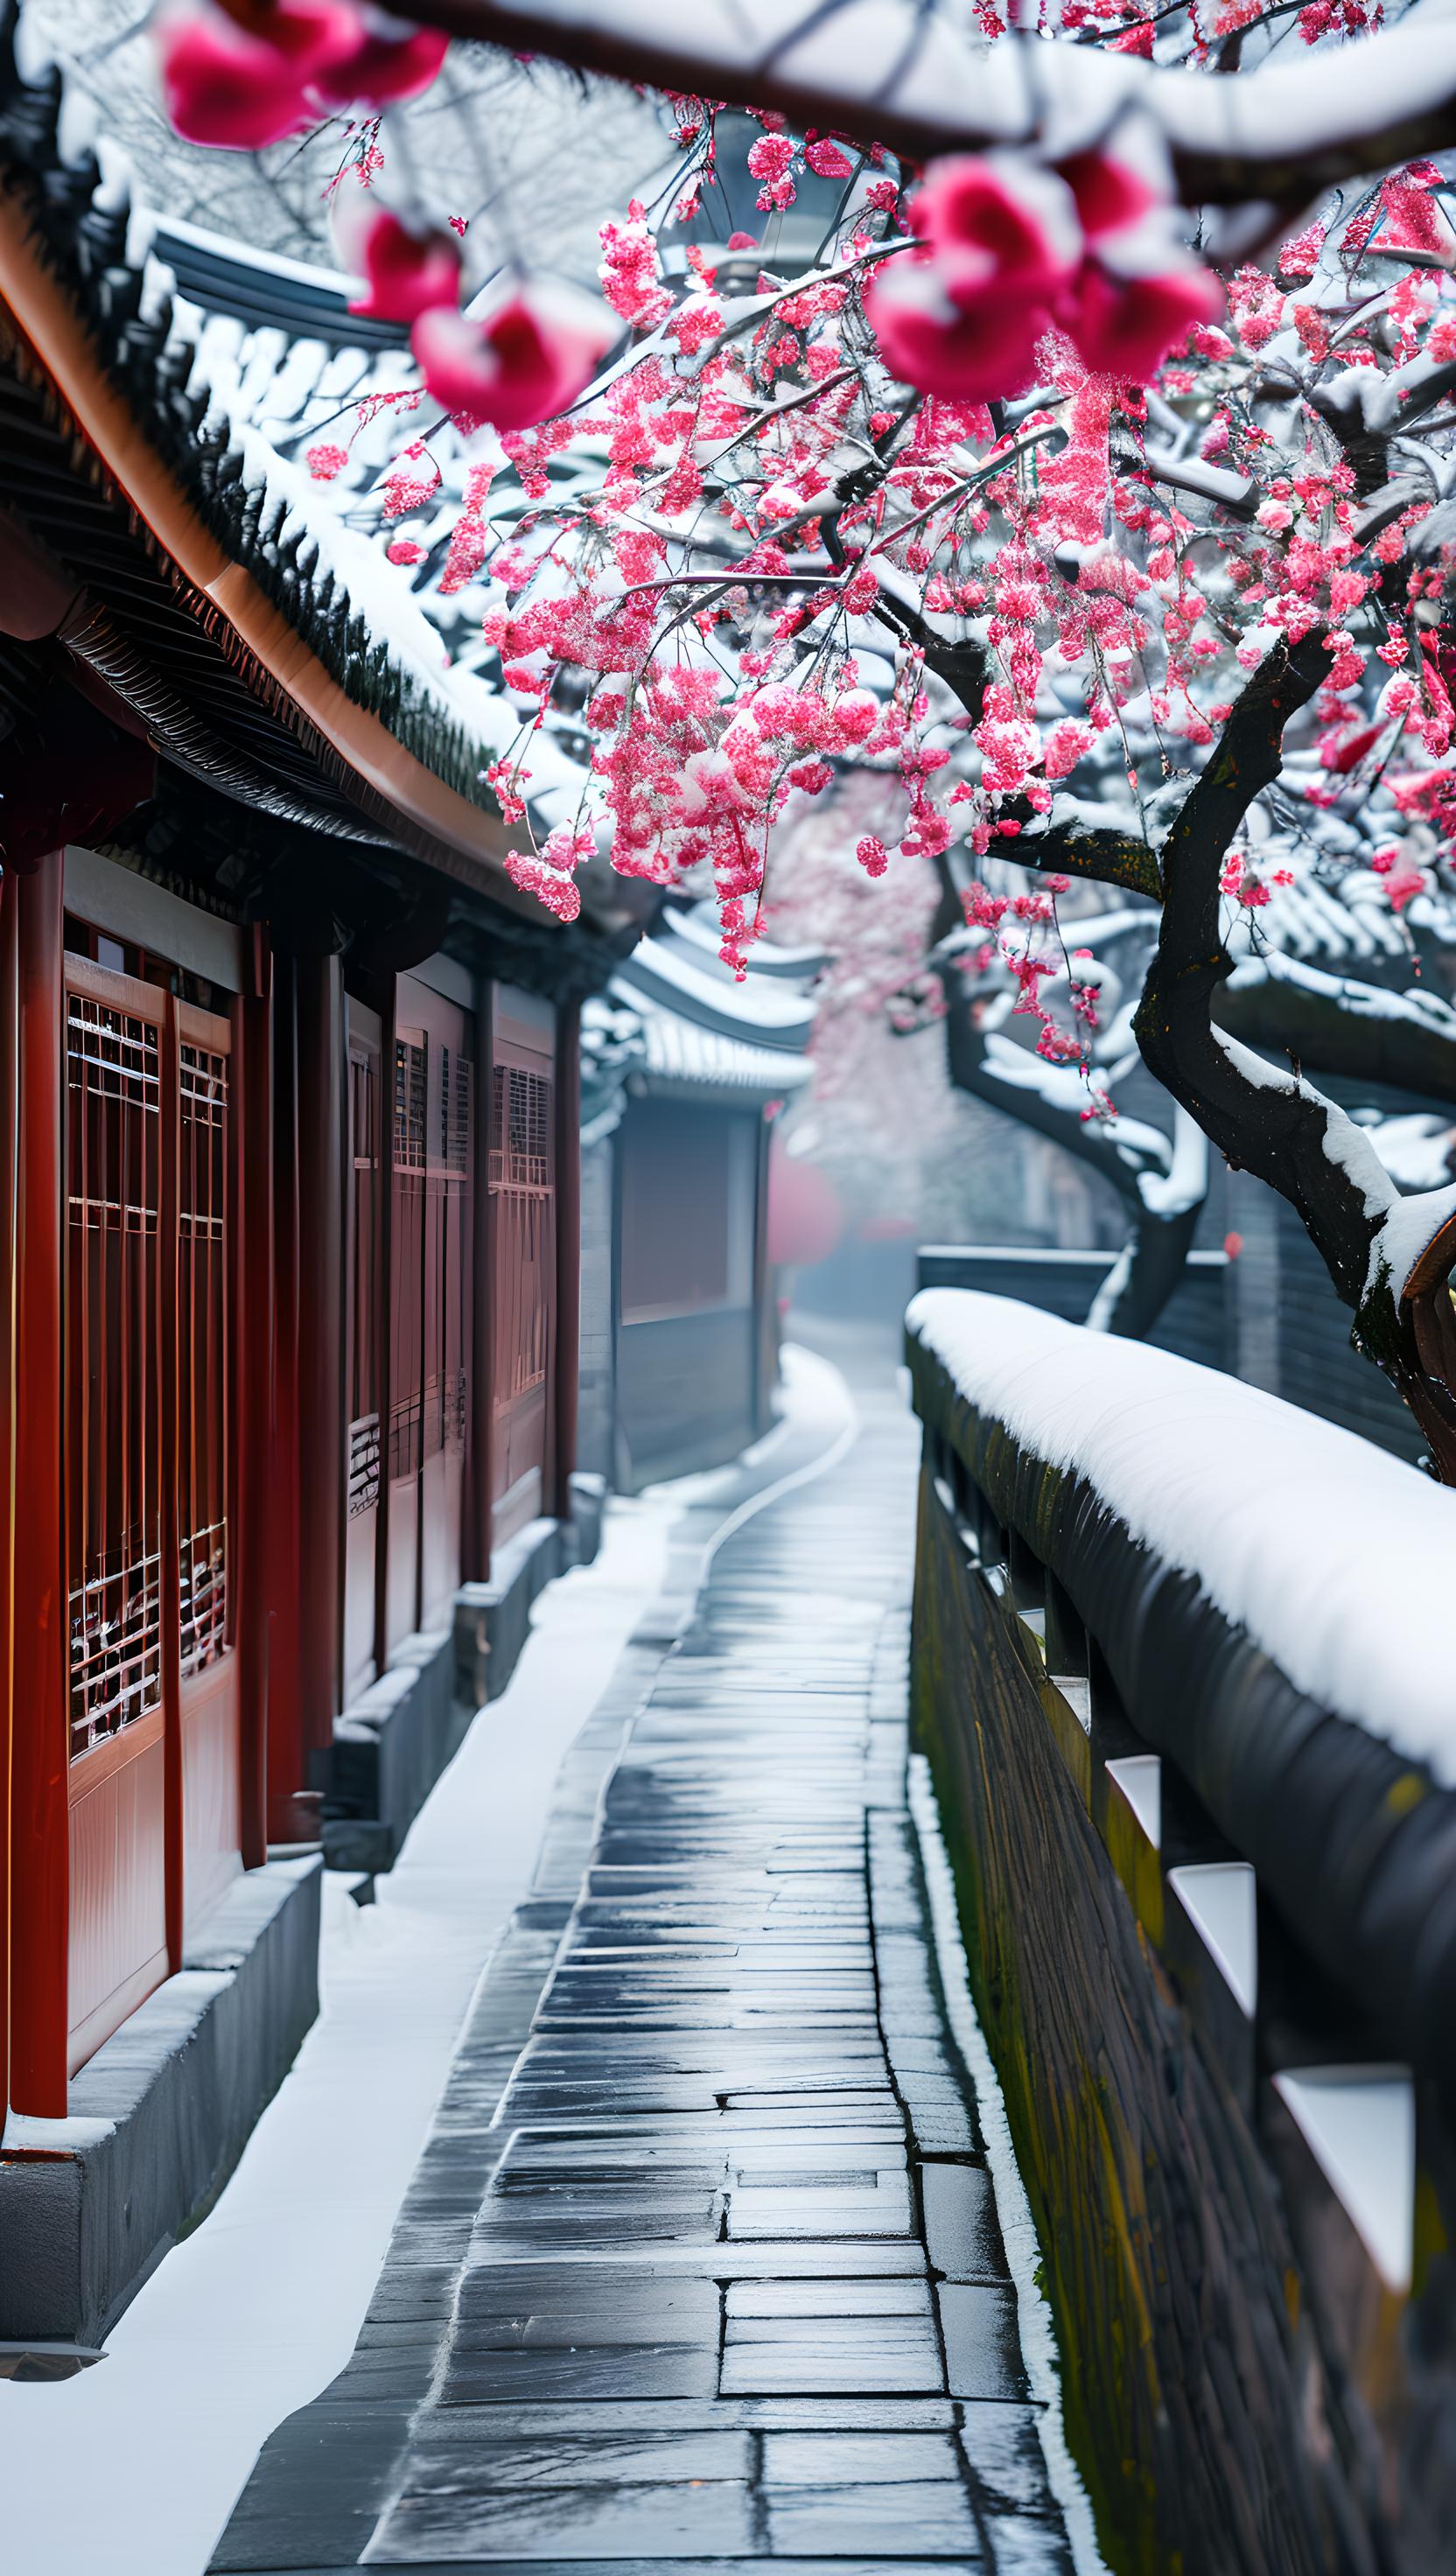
892	73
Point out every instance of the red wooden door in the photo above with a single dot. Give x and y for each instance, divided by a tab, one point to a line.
208	1709
449	1154
154	1772
429	1306
365	1356
406	1331
522	1170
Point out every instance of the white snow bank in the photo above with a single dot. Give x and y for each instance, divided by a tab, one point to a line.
1335	1557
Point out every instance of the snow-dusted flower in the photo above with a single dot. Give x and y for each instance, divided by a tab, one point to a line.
241	77
390	61
517	365
962	318
244	73
1139	289
406	268
1013	248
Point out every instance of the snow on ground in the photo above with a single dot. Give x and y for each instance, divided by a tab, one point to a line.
132	2467
1333	1555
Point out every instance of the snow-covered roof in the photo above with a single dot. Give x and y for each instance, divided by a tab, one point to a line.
228	399
761	1011
680	1052
701	932
522	149
1334	1556
1351	929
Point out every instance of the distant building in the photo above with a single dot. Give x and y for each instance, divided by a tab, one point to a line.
679	1324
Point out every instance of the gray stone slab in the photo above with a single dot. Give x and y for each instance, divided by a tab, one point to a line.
1021	2546
837	2460
473	2377
909	2297
469	2517
962	2234
595	2459
982	2345
932	2517
1003	2452
801	2369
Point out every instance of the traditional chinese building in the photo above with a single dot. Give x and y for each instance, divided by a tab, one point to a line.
288	1211
679	1314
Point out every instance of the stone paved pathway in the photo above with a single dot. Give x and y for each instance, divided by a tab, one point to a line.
708	2271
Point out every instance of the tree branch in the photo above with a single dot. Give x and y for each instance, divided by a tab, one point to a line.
884	71
964	665
1161	1191
1276	1124
1096	851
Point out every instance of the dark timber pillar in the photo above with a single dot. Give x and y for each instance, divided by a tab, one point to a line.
9	1161
480	1492
256	1404
40	1887
568	1251
321	1452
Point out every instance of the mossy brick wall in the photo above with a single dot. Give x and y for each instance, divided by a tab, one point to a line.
1213	2423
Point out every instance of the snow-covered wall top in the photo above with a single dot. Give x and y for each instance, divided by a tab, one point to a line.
1336	1559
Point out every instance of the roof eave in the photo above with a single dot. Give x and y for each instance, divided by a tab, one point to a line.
429	818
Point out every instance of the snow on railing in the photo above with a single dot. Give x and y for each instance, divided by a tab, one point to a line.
1333	1556
1236	1620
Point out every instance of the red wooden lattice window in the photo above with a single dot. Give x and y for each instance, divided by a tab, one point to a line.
523	1234
366	1391
364	1290
113	1076
202	1323
429	1307
522	1184
445	1426
405	1314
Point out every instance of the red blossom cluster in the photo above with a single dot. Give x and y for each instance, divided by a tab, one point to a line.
245	73
757	511
1013	249
1001	495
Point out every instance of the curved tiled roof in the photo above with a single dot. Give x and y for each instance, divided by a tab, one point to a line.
267	645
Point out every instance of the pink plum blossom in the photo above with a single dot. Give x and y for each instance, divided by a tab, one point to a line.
517	365
391	61
239	77
407	269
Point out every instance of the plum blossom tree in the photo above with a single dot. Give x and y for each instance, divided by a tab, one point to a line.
1121	556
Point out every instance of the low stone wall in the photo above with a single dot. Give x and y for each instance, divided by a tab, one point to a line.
1196	1322
159	2116
391	1745
1259	2333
